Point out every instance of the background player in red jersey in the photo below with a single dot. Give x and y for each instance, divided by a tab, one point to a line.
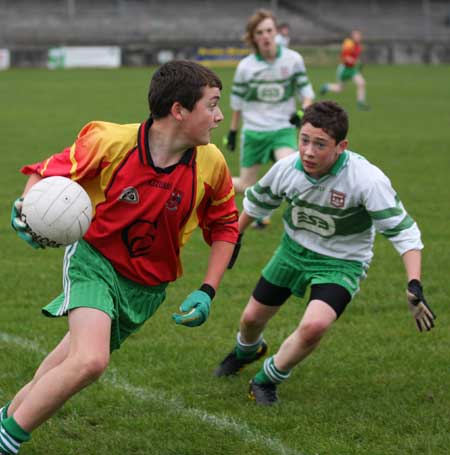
151	184
350	70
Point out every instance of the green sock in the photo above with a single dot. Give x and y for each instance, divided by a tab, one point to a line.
15	430
11	436
4	411
261	377
270	373
246	351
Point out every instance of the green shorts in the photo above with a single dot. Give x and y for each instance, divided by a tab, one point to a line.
345	73
295	267
91	281
258	147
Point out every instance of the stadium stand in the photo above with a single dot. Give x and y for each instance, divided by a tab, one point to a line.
141	27
78	22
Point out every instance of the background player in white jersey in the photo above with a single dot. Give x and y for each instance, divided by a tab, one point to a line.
264	92
336	201
282	38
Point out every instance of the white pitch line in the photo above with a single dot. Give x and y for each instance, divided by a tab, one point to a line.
243	430
21	342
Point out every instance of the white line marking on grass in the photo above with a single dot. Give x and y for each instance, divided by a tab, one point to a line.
244	431
22	343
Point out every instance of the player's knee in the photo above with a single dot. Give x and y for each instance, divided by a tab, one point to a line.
312	331
250	320
92	367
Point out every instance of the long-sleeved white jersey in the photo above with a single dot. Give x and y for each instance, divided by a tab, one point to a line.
338	214
265	91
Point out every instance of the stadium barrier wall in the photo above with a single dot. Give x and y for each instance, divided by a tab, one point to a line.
406	52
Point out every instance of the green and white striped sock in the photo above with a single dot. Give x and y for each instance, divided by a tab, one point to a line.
245	350
11	436
270	373
4	411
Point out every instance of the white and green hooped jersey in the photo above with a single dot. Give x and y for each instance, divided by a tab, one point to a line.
265	91
338	214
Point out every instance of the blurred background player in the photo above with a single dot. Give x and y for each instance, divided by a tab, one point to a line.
282	38
264	92
350	70
151	184
337	201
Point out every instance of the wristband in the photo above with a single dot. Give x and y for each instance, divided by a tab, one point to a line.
208	289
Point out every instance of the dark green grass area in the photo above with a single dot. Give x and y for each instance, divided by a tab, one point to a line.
375	386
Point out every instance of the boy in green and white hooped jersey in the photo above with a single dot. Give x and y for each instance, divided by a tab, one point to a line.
265	87
337	200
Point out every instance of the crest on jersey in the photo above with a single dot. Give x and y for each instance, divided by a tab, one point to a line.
337	199
139	236
130	195
174	200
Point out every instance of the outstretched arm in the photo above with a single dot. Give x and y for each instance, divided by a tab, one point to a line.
235	119
219	257
412	261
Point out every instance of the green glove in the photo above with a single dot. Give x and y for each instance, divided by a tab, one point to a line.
196	308
21	228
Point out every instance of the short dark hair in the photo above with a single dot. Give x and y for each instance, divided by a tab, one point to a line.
179	80
328	116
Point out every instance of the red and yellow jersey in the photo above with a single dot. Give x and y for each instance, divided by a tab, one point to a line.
350	52
143	215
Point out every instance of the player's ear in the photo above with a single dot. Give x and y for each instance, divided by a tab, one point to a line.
177	111
342	146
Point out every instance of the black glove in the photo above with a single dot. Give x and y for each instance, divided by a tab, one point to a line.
236	250
296	118
229	141
422	313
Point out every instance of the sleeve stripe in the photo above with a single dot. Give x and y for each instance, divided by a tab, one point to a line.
257	188
387	213
251	197
73	169
224	199
406	223
44	168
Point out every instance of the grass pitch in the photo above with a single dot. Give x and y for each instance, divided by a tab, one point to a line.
375	386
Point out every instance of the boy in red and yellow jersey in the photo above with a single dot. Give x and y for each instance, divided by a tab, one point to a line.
151	185
350	70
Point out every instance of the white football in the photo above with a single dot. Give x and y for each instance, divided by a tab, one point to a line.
57	210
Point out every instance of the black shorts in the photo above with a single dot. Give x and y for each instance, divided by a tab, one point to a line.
337	297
